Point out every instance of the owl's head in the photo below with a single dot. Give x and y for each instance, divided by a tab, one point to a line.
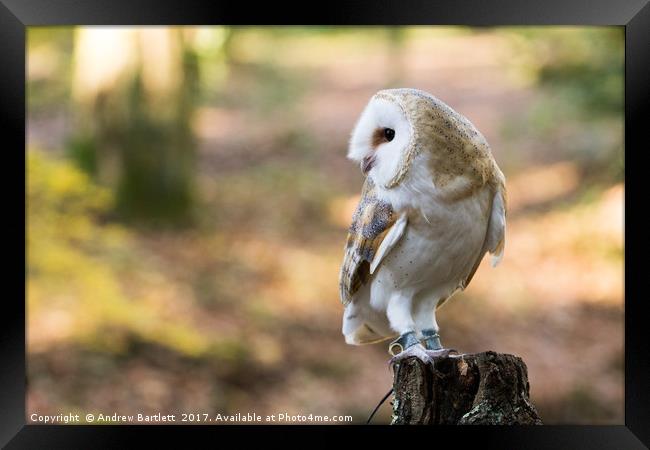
398	125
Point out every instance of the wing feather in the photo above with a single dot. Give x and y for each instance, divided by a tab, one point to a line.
374	231
495	233
392	237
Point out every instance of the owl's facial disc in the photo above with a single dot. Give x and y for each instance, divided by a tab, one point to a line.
380	136
379	139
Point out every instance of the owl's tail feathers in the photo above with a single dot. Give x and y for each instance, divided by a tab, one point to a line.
364	335
361	326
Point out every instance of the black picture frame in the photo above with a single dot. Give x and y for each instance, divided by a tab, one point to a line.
16	15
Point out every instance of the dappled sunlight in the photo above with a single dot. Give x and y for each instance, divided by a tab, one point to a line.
231	124
561	256
301	280
78	271
109	50
538	185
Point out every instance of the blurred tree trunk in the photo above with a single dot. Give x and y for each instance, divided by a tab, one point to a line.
135	92
396	40
479	389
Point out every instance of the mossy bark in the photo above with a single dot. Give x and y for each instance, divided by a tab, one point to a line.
135	92
475	389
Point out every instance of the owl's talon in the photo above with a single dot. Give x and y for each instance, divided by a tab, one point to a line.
416	350
400	345
441	353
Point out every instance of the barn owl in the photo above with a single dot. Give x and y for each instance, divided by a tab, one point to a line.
432	204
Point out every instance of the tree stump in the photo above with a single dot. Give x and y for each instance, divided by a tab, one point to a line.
486	388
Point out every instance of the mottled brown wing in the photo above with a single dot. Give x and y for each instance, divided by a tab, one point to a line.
371	221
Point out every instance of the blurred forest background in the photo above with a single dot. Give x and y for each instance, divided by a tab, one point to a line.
188	198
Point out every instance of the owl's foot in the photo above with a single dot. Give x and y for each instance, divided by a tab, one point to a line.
407	346
417	351
433	346
431	339
402	343
441	353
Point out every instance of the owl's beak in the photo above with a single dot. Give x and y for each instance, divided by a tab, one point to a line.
367	163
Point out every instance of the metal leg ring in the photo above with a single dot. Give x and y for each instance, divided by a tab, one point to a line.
403	342
431	339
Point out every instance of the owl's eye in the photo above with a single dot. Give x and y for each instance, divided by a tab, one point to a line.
389	134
